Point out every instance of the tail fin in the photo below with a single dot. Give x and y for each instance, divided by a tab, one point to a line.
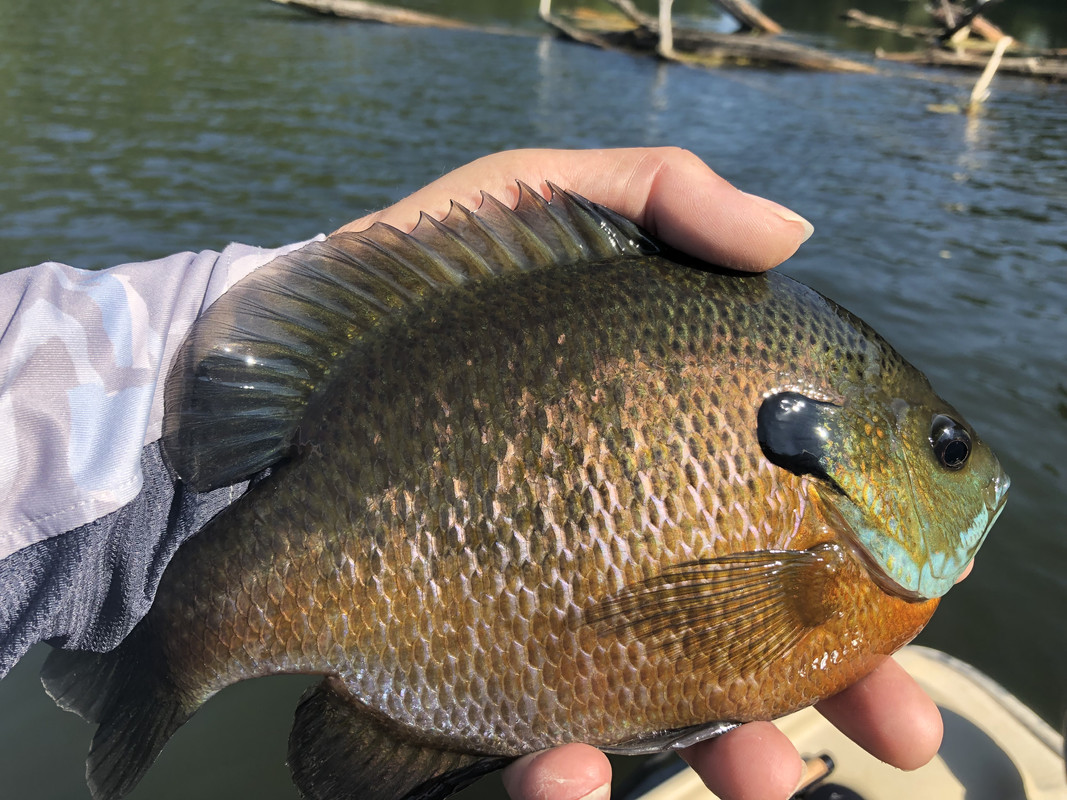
132	699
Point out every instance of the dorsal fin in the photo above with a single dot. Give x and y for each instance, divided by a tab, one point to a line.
253	362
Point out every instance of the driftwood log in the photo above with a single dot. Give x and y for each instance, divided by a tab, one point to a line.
637	32
374	12
631	30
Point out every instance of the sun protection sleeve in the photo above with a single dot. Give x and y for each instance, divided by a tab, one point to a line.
89	515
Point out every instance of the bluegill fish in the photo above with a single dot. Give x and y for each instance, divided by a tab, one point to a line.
534	479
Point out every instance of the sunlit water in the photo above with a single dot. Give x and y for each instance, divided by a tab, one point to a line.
133	130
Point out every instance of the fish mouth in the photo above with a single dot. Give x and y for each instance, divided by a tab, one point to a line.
996	495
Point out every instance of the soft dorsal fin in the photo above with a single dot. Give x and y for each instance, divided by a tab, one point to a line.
245	375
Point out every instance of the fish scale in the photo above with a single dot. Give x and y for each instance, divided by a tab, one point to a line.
531	506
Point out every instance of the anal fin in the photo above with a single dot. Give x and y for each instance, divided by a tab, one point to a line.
337	751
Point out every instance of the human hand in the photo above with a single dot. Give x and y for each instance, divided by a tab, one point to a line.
677	198
669	192
886	713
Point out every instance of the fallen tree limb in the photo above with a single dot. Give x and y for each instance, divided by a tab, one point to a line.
699	47
858	18
947	47
750	17
1016	65
739	48
374	12
980	26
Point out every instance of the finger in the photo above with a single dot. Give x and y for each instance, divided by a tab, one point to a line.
668	191
754	762
889	716
966	571
570	772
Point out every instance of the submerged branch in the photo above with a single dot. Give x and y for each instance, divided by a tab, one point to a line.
981	89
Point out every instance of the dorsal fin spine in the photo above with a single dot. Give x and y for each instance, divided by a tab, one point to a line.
494	251
389	258
424	269
340	279
547	224
588	227
477	265
523	243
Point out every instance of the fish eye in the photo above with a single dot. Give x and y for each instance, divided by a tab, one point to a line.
951	442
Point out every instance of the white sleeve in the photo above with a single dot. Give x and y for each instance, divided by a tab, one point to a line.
83	358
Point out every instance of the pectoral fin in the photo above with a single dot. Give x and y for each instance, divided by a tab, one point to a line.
728	614
339	751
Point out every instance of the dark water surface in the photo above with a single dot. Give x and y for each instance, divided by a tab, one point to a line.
131	130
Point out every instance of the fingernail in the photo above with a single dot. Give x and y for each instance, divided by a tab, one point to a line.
785	213
599	793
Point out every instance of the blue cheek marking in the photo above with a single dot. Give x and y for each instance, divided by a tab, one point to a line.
931	579
973	536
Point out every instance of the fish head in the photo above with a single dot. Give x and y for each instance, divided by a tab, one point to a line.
911	484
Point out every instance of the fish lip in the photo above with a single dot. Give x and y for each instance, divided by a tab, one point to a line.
1000	483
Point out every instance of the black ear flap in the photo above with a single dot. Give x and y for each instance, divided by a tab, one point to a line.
794	431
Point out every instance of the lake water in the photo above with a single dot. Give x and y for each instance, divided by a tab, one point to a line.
131	130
